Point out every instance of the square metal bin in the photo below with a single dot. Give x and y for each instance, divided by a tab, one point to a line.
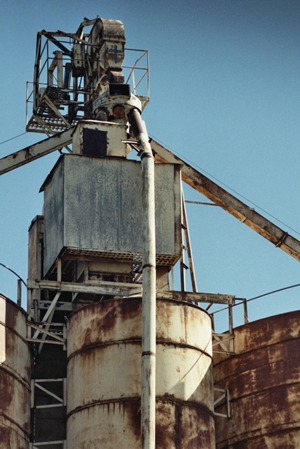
93	206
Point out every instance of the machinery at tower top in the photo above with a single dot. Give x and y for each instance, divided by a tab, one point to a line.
82	75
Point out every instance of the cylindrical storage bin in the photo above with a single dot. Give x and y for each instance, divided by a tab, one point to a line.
263	379
104	376
14	377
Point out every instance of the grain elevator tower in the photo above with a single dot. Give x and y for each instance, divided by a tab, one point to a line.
89	282
109	353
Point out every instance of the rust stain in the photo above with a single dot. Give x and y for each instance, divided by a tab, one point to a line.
10	316
133	409
163	312
118	322
263	379
5	437
103	318
197	428
166	428
6	390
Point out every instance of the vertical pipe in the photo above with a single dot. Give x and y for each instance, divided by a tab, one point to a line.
230	316
212	322
19	294
246	319
149	285
59	57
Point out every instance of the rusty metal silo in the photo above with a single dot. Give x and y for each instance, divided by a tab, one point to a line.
104	376
263	378
14	377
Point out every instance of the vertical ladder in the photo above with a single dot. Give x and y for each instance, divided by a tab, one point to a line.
186	261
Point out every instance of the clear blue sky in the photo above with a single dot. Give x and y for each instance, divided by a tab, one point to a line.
225	96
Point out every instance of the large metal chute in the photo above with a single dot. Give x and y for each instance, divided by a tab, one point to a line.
148	374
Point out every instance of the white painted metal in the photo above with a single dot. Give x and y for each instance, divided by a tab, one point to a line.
116	135
149	298
104	349
149	284
36	151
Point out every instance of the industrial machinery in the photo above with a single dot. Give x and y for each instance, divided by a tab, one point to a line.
100	305
81	75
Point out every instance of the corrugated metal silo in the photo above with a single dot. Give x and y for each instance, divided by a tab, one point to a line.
104	376
14	377
263	378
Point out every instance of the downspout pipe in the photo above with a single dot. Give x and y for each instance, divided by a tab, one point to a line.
148	374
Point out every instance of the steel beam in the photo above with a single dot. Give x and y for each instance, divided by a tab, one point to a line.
190	176
216	298
35	151
230	203
99	288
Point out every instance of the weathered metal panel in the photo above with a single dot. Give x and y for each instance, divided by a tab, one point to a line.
263	379
54	217
104	349
35	256
14	377
35	243
109	139
94	204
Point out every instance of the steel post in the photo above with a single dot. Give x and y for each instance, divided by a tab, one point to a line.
149	285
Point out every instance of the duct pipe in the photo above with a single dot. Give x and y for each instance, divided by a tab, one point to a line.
149	284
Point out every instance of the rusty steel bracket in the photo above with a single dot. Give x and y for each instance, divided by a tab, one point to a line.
53	333
222	399
223	343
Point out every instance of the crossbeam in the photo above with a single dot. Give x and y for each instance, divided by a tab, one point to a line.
35	151
230	203
194	178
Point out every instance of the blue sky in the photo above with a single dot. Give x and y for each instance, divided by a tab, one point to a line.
225	96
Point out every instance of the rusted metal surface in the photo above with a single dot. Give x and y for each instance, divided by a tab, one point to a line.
104	376
263	378
14	377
